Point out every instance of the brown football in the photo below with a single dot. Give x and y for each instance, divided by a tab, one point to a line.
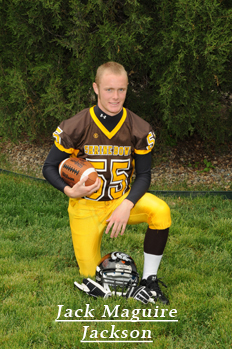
72	170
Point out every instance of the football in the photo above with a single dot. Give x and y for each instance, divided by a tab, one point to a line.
72	170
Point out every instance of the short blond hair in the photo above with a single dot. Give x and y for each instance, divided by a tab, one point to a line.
112	67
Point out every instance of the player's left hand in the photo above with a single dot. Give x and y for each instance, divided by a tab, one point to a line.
119	218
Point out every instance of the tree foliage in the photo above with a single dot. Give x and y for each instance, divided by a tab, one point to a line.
177	53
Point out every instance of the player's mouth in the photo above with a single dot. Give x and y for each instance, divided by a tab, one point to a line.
114	103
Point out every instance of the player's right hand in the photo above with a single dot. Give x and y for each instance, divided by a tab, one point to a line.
79	190
118	220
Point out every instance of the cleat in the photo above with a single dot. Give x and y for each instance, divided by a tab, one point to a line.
152	282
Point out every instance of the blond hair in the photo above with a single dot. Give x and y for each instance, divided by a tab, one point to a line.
112	67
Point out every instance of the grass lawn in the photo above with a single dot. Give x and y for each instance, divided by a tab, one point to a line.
38	268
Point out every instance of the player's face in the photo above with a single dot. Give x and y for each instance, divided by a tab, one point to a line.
111	92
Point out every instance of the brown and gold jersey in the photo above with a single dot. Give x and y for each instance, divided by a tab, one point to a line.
111	153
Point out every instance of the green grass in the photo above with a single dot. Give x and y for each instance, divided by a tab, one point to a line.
38	268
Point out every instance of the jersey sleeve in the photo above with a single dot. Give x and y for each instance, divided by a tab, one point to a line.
71	131
145	141
63	141
143	134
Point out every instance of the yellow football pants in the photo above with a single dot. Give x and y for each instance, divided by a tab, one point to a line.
88	222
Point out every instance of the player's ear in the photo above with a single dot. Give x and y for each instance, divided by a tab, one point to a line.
95	87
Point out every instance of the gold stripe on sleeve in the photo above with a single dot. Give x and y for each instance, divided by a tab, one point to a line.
142	152
68	151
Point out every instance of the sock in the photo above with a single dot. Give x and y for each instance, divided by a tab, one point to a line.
155	241
151	264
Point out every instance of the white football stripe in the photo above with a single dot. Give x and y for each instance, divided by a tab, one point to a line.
87	172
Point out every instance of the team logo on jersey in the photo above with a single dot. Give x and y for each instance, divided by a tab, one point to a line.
103	116
107	150
95	135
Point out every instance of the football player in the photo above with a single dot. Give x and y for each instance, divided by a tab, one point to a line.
117	142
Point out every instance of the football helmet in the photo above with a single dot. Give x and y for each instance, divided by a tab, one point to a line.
117	270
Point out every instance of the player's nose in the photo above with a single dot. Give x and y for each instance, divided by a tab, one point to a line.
115	95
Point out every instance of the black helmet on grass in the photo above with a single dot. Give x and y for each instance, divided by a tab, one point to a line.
117	270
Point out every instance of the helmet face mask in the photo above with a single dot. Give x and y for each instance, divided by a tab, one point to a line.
117	270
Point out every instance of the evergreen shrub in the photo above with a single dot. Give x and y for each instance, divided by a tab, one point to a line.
178	56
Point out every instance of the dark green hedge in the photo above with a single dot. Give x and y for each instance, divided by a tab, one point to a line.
178	55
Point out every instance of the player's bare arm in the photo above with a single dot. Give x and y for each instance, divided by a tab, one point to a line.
79	190
119	218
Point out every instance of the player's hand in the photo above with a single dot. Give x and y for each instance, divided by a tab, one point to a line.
119	218
79	190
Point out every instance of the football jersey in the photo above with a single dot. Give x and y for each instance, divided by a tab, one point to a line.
110	152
